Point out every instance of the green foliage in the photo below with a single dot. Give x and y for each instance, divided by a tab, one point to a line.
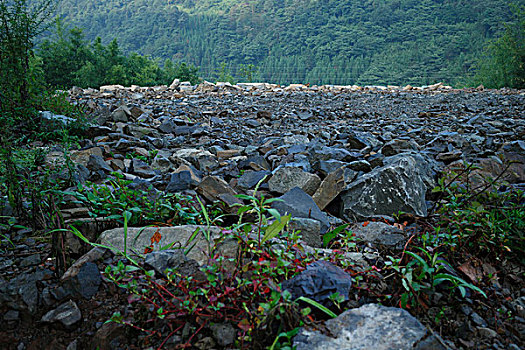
261	207
224	74
484	220
69	60
6	223
422	274
115	197
248	72
243	290
36	185
307	41
503	61
20	23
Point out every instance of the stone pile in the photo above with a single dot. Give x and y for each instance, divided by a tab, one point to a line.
333	154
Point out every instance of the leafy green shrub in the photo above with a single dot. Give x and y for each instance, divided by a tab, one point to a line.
115	197
486	220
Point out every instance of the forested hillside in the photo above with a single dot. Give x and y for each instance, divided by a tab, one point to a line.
307	41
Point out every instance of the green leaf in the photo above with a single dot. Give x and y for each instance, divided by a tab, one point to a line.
458	282
419	259
275	213
271	200
246	197
243	209
329	236
191	240
317	305
275	228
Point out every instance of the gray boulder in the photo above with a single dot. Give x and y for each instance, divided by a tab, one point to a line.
371	326
427	167
287	178
379	233
140	238
300	204
319	281
385	191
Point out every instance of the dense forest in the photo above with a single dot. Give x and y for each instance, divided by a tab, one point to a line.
308	41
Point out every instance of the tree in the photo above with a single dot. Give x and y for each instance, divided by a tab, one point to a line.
20	23
503	62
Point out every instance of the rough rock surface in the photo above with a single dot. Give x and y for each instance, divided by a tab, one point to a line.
140	238
371	326
219	140
386	191
319	281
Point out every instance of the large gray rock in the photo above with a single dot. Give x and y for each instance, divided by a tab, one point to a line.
371	326
379	233
300	204
287	178
385	191
140	238
427	167
319	281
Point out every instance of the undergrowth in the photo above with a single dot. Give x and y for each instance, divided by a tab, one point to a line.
244	290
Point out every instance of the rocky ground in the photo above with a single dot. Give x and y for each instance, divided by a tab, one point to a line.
332	154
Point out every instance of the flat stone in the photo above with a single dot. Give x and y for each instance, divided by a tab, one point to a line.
227	154
82	156
398	146
31	260
325	167
251	178
140	238
371	326
68	314
379	233
214	188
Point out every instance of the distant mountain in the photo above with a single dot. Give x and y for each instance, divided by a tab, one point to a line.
307	41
